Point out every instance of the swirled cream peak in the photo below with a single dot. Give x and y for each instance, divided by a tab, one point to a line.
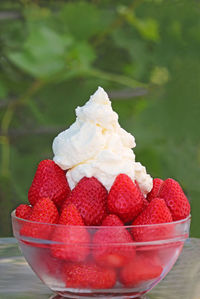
96	145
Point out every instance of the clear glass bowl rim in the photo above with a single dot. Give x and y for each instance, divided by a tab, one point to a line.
160	225
182	236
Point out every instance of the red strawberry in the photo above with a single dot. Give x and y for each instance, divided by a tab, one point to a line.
23	211
112	220
89	276
49	181
71	237
141	269
112	245
175	199
155	190
155	213
151	252
43	213
89	196
50	266
145	202
70	216
44	264
124	198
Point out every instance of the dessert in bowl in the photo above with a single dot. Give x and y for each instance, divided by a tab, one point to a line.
100	260
97	223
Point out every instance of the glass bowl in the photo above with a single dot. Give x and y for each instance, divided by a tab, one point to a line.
95	261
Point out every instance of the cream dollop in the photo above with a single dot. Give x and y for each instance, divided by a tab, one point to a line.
96	145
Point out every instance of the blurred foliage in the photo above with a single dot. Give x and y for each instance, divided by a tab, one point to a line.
54	54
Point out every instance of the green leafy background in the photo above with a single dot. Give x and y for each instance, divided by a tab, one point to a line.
53	56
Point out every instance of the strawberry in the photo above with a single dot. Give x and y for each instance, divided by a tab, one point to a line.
124	198
151	252
175	199
89	196
44	264
50	265
145	202
70	216
88	276
49	181
155	190
44	212
139	270
155	213
111	245
70	239
23	211
112	220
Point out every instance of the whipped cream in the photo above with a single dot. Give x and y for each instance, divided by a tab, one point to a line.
96	145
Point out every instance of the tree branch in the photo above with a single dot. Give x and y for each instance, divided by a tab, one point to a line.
126	94
13	133
9	15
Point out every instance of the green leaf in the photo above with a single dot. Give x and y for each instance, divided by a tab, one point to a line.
136	50
43	53
148	28
82	19
37	68
82	56
159	75
79	61
43	41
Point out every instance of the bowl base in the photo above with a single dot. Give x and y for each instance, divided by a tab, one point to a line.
78	295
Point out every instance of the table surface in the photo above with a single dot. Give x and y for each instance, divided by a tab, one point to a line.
17	280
